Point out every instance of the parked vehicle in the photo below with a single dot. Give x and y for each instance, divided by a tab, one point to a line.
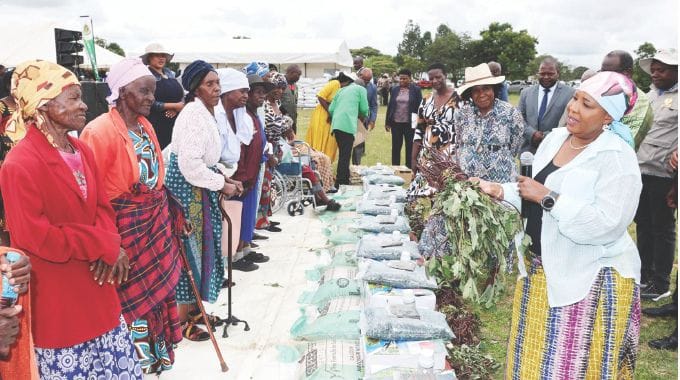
424	83
517	86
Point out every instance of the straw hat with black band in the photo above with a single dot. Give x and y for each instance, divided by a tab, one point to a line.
479	75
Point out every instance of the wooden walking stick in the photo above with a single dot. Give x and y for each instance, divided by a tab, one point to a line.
187	267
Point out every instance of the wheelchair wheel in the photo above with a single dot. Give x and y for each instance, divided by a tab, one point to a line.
295	207
278	192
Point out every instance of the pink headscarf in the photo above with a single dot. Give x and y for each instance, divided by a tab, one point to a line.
124	73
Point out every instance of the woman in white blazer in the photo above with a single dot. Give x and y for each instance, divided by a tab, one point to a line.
576	310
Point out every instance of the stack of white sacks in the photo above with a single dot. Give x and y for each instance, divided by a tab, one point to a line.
369	310
307	90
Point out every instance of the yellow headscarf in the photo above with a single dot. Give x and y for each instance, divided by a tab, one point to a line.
35	83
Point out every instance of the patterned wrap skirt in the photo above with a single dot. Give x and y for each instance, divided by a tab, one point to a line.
108	356
203	247
147	221
595	338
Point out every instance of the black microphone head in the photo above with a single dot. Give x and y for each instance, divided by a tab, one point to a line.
526	158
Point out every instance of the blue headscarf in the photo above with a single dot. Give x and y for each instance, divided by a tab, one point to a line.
617	95
259	68
194	74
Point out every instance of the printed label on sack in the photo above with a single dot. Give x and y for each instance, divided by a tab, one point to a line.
335	273
341	304
333	358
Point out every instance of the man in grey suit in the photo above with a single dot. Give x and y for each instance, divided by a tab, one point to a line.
542	104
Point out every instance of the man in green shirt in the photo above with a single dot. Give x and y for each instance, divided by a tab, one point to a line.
348	105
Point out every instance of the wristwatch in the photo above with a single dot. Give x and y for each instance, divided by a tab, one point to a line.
548	202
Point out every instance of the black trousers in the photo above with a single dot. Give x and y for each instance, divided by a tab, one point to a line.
345	142
402	133
656	231
385	96
357	153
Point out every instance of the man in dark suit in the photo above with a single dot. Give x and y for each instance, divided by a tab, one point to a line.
542	104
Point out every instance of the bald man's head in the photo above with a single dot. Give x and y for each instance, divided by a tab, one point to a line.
495	68
366	74
293	73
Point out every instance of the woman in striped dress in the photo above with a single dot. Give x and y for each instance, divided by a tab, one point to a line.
576	310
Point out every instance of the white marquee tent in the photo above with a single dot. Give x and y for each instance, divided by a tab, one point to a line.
22	42
314	56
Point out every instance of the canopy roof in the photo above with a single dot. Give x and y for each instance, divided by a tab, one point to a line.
275	51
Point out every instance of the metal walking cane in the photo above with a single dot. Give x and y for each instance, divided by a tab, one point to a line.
231	319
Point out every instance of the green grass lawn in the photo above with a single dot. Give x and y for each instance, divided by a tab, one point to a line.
651	364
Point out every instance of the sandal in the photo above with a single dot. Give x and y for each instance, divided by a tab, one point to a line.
196	318
194	333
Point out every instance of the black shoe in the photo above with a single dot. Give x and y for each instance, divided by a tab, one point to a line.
332	190
257	236
273	223
668	343
256	257
225	283
667	310
273	228
244	265
333	206
253	245
655	293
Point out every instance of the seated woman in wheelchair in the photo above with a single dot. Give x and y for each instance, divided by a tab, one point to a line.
290	165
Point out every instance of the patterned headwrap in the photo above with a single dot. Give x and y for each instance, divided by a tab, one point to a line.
35	83
617	95
259	68
278	80
124	73
194	74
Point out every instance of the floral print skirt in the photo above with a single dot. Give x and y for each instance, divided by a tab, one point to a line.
110	356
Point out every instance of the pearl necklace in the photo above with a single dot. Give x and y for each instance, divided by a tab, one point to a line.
577	148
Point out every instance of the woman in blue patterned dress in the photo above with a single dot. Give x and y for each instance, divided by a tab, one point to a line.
488	130
196	178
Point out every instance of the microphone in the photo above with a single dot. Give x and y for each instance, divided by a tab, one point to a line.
526	160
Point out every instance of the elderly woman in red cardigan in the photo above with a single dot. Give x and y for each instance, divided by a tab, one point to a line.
59	215
129	158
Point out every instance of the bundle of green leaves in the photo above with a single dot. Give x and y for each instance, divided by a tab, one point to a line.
481	232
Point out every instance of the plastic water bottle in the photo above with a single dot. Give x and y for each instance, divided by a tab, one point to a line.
426	365
409	297
9	296
405	256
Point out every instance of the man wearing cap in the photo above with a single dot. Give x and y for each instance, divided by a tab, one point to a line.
542	104
655	220
640	118
290	94
349	104
384	84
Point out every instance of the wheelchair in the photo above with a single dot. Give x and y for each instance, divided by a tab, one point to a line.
288	186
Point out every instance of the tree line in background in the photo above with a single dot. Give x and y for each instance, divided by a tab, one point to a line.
514	50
